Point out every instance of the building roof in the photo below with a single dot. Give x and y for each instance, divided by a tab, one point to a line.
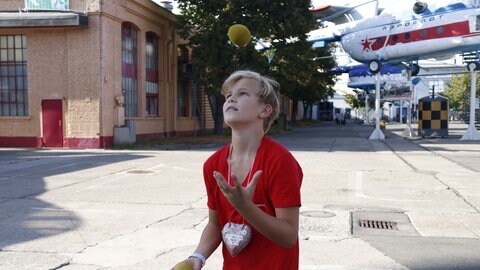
42	18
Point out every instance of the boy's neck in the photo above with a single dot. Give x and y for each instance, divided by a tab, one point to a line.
246	142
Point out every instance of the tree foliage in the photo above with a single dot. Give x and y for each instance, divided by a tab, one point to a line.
458	91
354	102
304	73
283	25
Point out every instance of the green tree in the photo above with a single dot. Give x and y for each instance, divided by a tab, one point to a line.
458	91
304	73
354	102
359	103
283	24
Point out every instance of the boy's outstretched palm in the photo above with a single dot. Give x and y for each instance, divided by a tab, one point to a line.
238	196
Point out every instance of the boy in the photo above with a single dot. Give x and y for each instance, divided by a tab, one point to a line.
253	184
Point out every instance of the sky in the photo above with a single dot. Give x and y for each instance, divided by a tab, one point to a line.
381	3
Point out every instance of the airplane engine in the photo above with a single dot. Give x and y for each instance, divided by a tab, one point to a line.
420	7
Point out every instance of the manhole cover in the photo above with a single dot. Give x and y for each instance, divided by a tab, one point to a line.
318	214
139	172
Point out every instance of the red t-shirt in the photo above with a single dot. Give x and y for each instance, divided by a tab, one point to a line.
278	187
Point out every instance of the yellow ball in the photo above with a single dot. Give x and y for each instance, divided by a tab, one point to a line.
183	266
239	35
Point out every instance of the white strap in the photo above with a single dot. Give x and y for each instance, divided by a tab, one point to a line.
199	256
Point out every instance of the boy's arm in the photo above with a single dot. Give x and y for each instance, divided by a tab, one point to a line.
282	229
211	236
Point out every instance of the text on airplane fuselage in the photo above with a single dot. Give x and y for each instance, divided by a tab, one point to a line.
413	22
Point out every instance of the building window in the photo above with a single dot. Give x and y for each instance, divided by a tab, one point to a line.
182	99
151	52
47	4
183	85
129	69
13	76
477	23
195	103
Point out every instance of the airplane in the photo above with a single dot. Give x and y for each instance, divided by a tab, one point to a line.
343	12
402	36
405	36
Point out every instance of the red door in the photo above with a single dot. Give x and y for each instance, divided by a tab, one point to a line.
52	125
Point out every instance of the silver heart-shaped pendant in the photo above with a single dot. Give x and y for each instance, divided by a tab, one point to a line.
236	237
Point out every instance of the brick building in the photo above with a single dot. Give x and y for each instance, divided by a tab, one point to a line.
91	73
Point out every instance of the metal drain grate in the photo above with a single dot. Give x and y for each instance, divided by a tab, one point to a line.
365	223
377	224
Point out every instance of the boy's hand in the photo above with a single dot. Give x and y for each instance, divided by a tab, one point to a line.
195	264
238	196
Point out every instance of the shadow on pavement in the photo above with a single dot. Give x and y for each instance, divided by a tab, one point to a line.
23	175
429	251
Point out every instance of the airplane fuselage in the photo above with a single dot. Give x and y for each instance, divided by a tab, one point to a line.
437	35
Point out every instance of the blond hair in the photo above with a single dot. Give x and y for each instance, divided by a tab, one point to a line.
268	92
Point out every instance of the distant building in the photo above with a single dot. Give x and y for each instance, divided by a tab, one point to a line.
88	74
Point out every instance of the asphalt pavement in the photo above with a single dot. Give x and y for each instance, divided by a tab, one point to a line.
398	203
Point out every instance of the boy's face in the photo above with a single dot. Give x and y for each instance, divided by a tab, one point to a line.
242	105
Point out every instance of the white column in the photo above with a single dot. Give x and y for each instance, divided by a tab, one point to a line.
401	111
408	130
367	108
377	134
472	133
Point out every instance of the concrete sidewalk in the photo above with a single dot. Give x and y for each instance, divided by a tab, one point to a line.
106	209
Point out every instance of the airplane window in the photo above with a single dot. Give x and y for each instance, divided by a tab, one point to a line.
423	33
406	36
379	40
440	30
395	38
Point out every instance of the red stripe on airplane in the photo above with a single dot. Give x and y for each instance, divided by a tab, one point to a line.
441	31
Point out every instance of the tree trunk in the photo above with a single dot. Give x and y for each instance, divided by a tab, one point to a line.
305	110
216	104
293	117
